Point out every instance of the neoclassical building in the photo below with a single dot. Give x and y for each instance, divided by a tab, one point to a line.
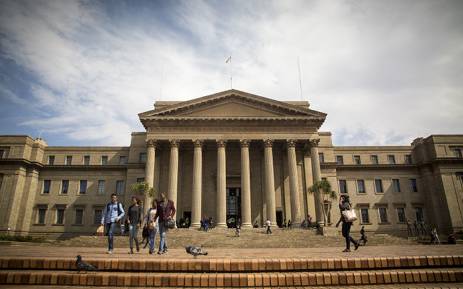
232	155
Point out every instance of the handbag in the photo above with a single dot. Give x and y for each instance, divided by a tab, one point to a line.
100	230
170	223
349	215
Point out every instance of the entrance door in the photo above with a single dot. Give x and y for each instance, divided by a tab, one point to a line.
233	206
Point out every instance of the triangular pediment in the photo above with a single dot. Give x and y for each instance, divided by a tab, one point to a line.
231	104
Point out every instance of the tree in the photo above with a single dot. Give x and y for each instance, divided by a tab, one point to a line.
323	188
142	188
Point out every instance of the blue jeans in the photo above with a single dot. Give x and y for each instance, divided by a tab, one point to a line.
162	234
133	236
152	238
110	228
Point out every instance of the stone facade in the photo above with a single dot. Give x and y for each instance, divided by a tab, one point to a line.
232	155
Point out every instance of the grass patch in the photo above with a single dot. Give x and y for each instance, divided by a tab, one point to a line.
4	237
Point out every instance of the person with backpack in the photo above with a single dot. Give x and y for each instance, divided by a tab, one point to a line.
151	222
344	206
165	213
134	222
112	214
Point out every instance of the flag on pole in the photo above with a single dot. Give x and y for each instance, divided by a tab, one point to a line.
228	59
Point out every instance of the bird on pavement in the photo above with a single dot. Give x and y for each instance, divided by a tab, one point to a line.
195	251
82	266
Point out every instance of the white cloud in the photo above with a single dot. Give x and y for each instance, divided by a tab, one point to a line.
385	72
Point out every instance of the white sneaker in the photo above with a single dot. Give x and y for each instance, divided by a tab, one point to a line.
110	252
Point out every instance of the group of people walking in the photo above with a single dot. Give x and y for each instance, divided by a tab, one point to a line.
158	219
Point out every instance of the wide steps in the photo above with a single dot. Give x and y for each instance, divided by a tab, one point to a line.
224	272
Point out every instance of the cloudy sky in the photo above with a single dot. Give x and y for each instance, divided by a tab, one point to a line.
78	72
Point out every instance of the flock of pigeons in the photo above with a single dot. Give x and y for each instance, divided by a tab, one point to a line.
195	251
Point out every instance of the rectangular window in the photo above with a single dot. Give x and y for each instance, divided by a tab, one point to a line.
365	218
51	160
379	186
408	159
413	185
396	185
142	158
46	186
68	160
401	215
64	186
122	160
361	186
97	214
59	215
382	215
340	160
104	160
83	187
391	159
140	180
419	214
86	160
357	160
42	213
374	159
2	152
343	186
79	216
321	157
120	187
101	185
457	152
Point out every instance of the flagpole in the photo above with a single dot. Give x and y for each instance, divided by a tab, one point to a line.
229	60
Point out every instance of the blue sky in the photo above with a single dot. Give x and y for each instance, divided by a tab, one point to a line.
79	72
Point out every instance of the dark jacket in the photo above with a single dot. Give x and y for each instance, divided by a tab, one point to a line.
167	212
134	215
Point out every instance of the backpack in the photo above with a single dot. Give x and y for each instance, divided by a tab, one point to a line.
119	208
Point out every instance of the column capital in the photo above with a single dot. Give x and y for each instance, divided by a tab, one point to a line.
198	142
268	142
221	143
291	142
174	142
244	143
314	142
151	143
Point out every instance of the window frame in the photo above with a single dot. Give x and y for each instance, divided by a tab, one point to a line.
413	185
391	159
362	221
51	157
117	187
82	217
339	157
59	209
85	158
104	160
61	191
357	158
358	181
374	159
43	187
346	191
68	160
80	187
321	157
376	187
398	215
396	185
380	221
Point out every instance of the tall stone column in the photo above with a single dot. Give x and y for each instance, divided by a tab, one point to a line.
149	170
316	177
245	185
173	171
269	181
293	183
221	184
197	184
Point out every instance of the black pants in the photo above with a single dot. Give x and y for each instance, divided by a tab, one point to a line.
346	234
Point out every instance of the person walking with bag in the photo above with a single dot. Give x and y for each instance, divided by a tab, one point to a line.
112	214
165	214
134	221
347	217
151	222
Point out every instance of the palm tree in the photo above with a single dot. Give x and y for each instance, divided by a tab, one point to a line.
323	188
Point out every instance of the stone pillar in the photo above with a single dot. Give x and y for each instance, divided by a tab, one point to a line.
269	182
221	184
197	184
173	172
316	177
149	170
245	185
293	183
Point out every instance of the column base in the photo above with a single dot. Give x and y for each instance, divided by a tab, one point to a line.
195	225
246	225
221	225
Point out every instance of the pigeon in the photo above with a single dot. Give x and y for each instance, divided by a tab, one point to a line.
195	251
82	266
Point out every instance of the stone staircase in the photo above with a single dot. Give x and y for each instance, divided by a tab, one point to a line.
224	272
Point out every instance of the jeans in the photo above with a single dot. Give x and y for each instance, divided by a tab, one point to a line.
152	238
162	235
110	228
133	236
346	234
